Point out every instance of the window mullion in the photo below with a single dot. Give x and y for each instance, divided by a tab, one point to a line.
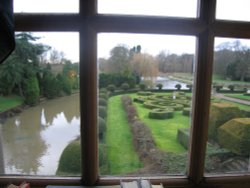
88	93
201	101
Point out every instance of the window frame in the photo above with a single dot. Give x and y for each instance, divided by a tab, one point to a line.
88	23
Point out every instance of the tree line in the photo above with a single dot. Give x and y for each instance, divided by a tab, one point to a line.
28	72
130	65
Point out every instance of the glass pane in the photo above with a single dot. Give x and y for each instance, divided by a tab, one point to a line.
46	6
39	107
233	10
228	144
145	92
176	8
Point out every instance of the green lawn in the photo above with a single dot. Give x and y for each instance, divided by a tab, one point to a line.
165	131
9	102
121	154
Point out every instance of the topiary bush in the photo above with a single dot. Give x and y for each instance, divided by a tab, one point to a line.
125	86
102	111
183	136
101	127
159	86
220	113
235	136
111	88
142	86
70	160
157	113
103	102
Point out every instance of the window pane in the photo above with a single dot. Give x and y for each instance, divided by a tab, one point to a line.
145	92
46	6
229	123
233	10
39	107
176	8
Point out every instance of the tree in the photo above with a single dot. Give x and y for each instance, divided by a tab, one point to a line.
119	60
22	65
31	91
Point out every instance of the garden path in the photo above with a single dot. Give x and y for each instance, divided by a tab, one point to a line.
221	96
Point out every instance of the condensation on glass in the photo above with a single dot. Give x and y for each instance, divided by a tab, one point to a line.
145	94
46	6
173	8
40	119
233	10
228	145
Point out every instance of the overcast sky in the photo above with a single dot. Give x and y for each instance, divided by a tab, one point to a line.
153	44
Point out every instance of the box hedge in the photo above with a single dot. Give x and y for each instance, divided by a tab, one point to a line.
220	113
158	113
183	136
235	136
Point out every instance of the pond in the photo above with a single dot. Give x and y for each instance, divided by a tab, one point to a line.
32	142
169	83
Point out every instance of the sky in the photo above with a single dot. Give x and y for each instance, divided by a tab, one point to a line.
153	44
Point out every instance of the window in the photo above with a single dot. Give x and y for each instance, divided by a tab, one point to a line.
89	24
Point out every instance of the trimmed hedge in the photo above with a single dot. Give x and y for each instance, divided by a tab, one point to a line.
220	113
235	136
158	113
145	93
103	102
186	111
183	136
102	111
70	160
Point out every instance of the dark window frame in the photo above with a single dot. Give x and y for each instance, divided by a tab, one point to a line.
88	23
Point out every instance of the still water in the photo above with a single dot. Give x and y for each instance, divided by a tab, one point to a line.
32	142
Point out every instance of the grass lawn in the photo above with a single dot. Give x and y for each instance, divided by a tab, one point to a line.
9	102
239	96
121	154
165	131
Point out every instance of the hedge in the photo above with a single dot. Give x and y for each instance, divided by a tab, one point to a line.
235	136
70	160
183	136
186	111
158	113
220	113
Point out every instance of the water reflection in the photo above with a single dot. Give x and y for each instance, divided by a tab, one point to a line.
34	140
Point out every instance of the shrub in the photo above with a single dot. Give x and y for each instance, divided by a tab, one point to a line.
103	161
142	86
235	135
183	136
103	95
102	111
186	111
125	86
178	86
220	113
159	86
217	87
70	160
189	86
111	88
102	127
103	102
161	113
231	87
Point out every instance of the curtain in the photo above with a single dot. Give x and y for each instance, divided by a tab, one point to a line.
7	38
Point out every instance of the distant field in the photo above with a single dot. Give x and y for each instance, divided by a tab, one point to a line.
9	102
